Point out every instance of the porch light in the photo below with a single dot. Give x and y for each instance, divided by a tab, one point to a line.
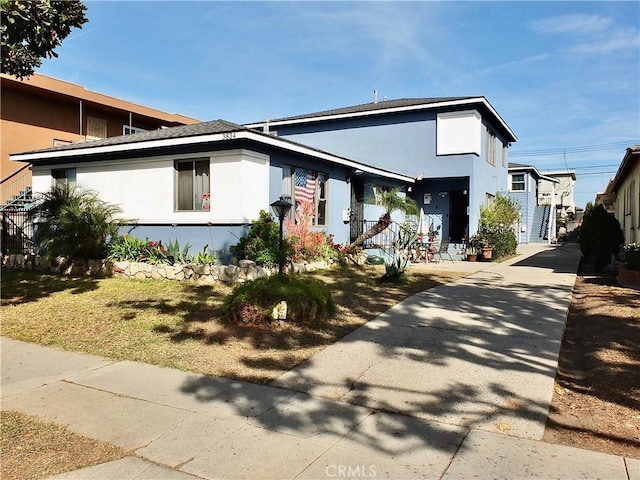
281	209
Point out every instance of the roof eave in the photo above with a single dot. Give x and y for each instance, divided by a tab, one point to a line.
244	134
383	111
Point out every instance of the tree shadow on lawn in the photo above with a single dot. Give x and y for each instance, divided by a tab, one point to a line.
478	353
24	286
201	316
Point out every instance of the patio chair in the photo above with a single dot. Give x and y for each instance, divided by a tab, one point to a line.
443	249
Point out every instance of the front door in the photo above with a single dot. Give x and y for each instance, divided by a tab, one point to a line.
458	218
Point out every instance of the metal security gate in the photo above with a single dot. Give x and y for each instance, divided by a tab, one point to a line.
17	232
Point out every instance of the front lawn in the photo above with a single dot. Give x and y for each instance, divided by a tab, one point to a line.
180	324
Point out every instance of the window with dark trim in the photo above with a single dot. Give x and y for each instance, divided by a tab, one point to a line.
517	182
192	185
63	176
307	186
490	148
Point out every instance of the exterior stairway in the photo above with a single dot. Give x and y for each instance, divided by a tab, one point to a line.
540	227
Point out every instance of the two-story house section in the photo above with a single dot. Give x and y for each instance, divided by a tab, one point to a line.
455	148
537	224
563	193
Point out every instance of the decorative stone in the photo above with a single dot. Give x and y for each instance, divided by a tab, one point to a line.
246	263
280	311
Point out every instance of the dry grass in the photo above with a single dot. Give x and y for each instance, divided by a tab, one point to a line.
33	449
596	400
180	325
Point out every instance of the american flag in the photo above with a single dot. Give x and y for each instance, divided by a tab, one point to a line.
305	185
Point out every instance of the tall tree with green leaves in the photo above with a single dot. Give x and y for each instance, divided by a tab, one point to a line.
73	222
391	201
32	29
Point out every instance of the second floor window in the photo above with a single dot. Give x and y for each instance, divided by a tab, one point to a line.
490	148
517	183
128	130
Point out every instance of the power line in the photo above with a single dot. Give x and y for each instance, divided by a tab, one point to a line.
578	149
589	174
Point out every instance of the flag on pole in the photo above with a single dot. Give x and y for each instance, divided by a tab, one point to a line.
305	185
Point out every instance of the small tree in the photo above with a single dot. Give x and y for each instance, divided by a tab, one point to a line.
600	236
391	201
497	225
31	30
73	222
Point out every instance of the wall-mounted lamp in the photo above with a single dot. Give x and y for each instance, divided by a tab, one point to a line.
409	189
444	194
464	192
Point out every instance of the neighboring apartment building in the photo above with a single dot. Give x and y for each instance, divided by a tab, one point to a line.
42	112
625	190
563	197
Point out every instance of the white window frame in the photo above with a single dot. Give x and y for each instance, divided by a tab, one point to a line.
129	130
196	206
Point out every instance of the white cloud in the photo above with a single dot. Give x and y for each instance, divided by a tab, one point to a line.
577	24
616	41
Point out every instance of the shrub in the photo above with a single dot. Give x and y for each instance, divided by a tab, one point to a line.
600	236
73	222
126	248
497	224
130	249
177	255
630	256
305	242
308	300
261	244
503	213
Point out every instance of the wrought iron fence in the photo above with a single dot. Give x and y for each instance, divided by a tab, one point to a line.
17	232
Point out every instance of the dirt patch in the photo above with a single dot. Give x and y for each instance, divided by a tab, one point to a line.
596	401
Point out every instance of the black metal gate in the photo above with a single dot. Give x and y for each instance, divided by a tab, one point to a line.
356	218
17	232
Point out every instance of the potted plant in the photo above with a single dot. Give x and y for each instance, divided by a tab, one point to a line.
472	253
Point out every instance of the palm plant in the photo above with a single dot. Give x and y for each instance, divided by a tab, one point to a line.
73	222
391	201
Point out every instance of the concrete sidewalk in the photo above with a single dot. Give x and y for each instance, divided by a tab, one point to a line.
468	363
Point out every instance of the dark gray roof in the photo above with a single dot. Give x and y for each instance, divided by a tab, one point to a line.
197	129
373	106
519	165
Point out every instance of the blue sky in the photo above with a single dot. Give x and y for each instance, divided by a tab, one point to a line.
565	76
